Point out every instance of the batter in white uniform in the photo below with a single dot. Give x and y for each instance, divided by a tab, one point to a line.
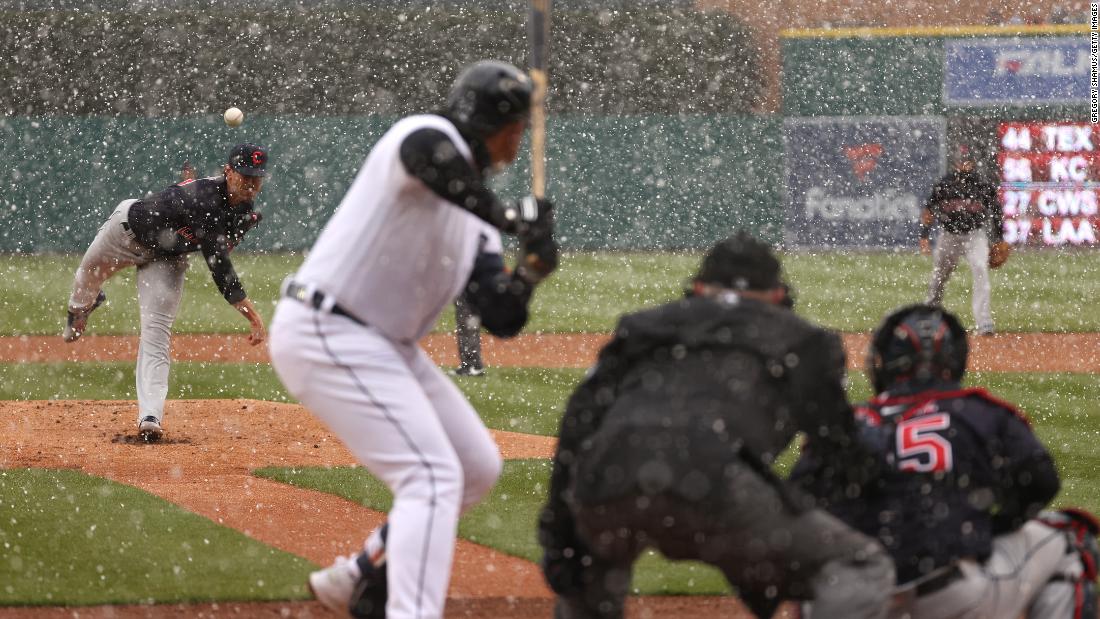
403	244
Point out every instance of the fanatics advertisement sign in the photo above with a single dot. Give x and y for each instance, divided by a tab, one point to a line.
1019	71
859	182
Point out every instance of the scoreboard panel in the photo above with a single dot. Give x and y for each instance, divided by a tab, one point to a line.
1050	180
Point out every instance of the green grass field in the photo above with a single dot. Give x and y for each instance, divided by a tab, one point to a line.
42	509
72	539
848	292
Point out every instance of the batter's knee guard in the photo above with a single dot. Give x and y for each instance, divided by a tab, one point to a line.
1072	592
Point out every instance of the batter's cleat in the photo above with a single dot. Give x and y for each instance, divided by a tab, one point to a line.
368	599
149	429
77	321
334	585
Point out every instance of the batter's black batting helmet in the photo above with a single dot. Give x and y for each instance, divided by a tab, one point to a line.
489	95
918	345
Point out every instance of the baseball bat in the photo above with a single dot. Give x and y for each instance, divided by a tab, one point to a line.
538	31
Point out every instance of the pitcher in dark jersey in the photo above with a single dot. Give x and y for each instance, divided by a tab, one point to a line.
155	234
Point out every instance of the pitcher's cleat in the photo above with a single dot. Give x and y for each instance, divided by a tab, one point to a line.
149	429
77	321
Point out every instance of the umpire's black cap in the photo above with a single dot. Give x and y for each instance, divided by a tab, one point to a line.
741	262
248	159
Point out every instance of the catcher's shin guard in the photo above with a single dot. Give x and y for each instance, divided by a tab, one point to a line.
1072	592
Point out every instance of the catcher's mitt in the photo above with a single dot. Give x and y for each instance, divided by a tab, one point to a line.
998	254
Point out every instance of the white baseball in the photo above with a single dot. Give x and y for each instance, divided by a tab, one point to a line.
234	117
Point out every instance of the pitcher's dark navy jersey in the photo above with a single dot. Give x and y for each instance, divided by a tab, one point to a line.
958	467
195	215
963	201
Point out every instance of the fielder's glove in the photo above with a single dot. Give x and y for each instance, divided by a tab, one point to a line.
998	254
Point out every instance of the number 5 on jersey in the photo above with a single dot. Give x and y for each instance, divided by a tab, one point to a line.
920	446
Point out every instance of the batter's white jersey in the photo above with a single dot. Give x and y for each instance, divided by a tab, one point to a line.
395	254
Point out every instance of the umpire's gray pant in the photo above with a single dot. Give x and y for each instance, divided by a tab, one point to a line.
159	287
761	544
949	248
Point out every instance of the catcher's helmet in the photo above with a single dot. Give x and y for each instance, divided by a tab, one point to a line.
489	95
918	345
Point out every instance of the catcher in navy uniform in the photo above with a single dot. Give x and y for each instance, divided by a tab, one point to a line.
669	442
155	234
960	479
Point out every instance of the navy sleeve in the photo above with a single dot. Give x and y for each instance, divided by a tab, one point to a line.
216	253
1028	480
993	213
497	296
431	156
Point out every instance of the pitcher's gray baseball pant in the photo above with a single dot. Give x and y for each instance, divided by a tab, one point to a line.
159	288
949	248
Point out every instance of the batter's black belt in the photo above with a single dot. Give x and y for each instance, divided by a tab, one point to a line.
939	581
316	300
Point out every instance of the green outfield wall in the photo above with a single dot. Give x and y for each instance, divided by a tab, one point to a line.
646	182
895	72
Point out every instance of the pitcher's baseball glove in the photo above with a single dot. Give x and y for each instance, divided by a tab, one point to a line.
998	254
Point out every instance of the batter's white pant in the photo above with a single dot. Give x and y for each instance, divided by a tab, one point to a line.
160	289
1021	566
949	248
408	424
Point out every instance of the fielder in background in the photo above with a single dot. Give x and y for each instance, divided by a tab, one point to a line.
669	444
960	480
468	339
403	244
155	234
467	319
964	204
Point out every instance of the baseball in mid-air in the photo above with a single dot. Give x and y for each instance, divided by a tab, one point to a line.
234	117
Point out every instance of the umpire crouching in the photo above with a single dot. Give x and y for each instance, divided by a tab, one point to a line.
669	442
